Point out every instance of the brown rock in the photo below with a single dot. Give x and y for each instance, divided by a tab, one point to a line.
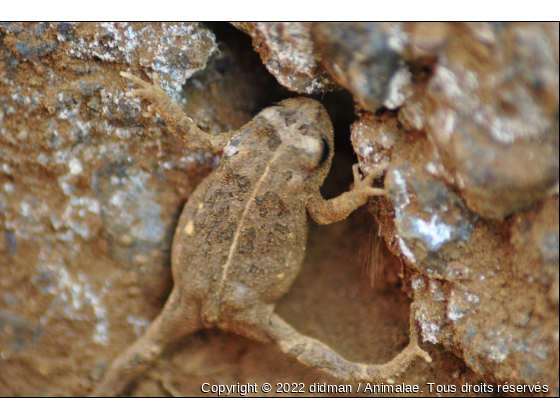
288	53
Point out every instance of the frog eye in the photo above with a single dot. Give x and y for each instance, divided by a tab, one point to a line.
326	151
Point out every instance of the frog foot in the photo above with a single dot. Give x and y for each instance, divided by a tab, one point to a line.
151	92
363	186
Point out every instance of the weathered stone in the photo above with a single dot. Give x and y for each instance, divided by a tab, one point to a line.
174	50
478	141
432	222
491	109
535	238
288	53
30	41
486	95
366	59
477	289
372	138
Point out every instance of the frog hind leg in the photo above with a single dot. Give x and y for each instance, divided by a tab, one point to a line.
179	317
316	354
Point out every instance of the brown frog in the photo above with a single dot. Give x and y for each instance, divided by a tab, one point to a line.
240	241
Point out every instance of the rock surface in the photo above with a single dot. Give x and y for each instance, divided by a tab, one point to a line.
289	54
366	59
465	162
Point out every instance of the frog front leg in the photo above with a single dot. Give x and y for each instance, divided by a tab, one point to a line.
339	208
177	121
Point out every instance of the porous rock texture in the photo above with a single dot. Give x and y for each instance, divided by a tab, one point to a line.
289	53
90	192
472	205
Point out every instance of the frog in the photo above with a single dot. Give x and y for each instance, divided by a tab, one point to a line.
240	240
